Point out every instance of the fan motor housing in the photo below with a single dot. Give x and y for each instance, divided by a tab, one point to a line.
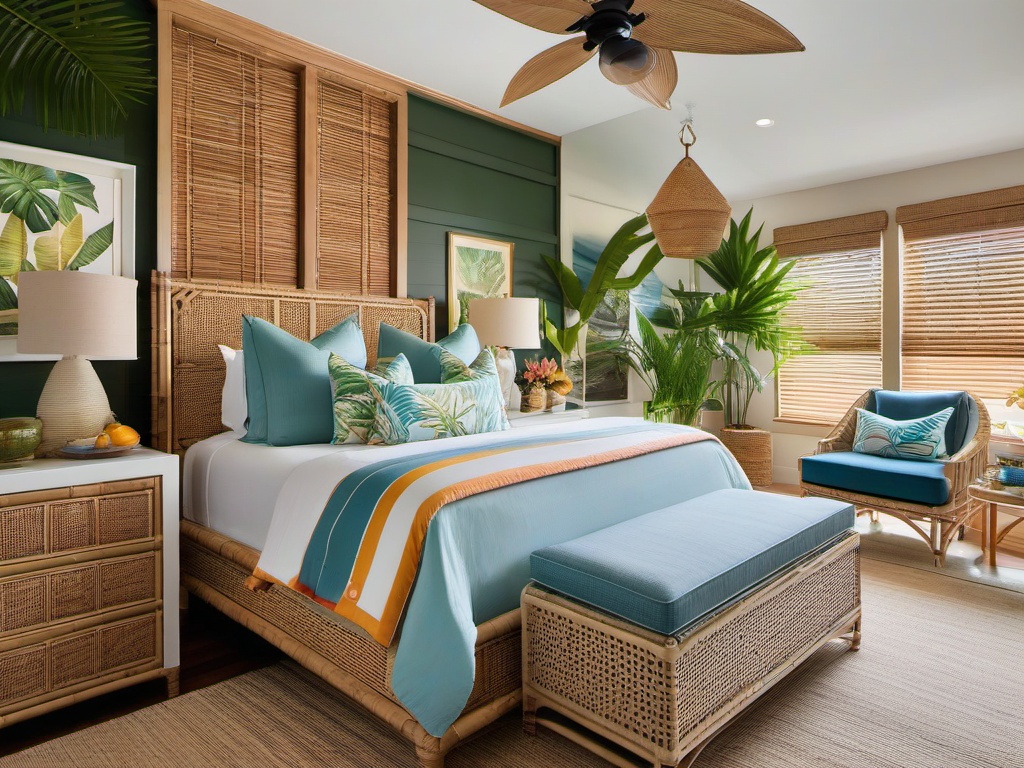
610	19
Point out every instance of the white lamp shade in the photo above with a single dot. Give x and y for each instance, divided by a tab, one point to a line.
77	313
511	323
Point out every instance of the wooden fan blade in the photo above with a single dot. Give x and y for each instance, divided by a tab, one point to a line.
547	67
711	26
658	86
547	15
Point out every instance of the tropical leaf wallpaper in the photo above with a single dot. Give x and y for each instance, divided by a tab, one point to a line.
49	219
354	403
469	403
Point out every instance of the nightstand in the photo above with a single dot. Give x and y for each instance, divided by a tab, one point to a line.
534	418
88	579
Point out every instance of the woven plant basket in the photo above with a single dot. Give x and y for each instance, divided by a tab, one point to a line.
534	399
752	448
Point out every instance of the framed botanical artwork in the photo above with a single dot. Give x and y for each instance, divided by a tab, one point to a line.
478	268
60	211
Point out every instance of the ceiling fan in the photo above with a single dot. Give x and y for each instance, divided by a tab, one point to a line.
635	48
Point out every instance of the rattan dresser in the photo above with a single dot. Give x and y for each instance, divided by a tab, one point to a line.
88	579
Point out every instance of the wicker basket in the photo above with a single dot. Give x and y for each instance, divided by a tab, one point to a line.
534	399
752	448
664	697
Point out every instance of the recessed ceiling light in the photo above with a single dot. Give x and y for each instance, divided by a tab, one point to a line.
764	122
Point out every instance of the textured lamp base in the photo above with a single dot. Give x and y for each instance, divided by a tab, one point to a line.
73	405
506	364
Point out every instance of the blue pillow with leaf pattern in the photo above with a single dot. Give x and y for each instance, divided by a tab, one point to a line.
470	402
921	439
354	405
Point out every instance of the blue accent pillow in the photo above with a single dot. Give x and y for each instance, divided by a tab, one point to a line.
354	406
904	405
472	403
287	384
424	356
921	439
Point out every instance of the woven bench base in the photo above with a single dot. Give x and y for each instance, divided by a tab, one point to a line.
664	697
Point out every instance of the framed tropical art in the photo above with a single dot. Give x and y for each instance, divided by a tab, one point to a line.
478	268
60	211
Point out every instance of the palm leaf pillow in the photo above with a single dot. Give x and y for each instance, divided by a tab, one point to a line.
468	403
354	403
921	439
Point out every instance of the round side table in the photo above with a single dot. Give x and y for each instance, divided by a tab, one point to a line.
1012	503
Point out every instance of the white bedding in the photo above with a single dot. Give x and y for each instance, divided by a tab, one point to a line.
232	487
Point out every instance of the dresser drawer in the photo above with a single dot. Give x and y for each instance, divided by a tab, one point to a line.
65	520
48	596
41	670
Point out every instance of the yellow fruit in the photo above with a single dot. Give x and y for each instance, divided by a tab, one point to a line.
102	440
121	435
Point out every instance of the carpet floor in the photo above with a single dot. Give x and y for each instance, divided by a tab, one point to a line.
938	682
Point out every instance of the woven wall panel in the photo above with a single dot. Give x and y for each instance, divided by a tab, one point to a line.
996	209
355	195
235	160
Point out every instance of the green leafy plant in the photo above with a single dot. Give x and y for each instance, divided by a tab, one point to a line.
585	301
83	61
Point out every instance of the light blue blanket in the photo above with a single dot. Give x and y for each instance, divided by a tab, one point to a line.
476	559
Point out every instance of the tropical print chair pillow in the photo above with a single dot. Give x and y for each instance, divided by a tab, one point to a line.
468	403
920	439
354	404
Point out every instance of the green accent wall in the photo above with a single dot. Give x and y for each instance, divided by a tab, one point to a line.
127	383
470	175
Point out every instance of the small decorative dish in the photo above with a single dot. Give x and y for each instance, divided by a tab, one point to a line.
91	452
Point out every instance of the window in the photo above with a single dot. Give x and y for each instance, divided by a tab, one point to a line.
963	293
839	312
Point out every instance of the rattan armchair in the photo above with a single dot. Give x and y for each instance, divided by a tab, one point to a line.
961	469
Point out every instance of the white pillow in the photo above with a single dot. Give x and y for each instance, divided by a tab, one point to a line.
233	408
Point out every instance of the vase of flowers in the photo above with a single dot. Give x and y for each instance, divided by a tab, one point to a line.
544	385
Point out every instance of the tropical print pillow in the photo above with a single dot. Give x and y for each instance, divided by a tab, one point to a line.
354	403
469	403
921	439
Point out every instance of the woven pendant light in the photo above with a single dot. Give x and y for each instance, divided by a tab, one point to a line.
689	214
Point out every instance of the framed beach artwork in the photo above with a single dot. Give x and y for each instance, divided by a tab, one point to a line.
60	211
478	268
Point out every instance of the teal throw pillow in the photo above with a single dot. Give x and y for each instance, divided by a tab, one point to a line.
470	403
920	439
354	405
287	385
425	356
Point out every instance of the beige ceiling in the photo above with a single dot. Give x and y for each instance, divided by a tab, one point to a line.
884	86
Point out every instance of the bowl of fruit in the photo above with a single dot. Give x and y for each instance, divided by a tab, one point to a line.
115	440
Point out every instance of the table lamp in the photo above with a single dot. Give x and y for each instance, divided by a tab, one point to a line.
506	323
81	316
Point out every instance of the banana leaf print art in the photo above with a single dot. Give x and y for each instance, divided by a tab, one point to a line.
62	212
470	402
477	269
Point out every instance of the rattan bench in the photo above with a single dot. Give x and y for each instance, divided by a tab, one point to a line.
608	683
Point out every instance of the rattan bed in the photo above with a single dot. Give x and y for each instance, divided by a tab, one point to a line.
189	319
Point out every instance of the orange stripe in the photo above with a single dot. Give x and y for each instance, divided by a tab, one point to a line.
383	631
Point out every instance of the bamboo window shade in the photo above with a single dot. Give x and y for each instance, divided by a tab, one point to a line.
839	310
963	293
236	122
355	205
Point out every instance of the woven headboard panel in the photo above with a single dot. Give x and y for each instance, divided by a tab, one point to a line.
191	317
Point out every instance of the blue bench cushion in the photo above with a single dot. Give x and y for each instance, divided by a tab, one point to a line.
666	569
920	482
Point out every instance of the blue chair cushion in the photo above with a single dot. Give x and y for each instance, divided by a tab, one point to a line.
919	482
904	406
667	569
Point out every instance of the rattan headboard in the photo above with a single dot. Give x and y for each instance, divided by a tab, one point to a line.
191	317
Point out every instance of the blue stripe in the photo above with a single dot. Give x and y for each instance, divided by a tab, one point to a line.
331	554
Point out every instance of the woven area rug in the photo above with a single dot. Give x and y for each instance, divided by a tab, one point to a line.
939	682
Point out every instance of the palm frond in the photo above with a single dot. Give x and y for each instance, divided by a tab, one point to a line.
82	60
